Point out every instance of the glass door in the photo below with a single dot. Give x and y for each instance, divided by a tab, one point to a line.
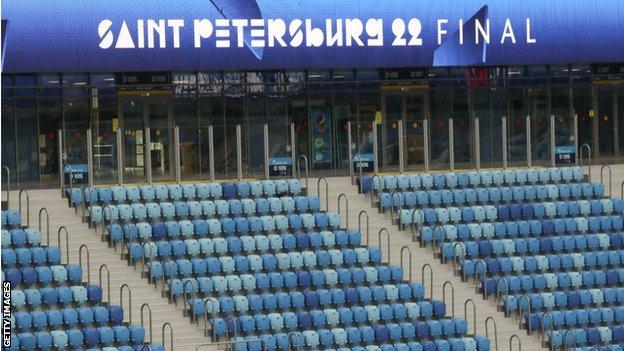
606	100
414	147
620	121
137	113
412	109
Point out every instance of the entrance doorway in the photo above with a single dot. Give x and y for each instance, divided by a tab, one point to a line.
136	113
609	120
410	107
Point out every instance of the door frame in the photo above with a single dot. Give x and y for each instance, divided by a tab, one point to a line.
146	97
403	91
615	90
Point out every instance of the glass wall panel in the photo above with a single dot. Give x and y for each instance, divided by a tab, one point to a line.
9	150
440	111
539	112
392	114
416	108
321	123
560	109
210	106
605	112
277	118
297	111
620	111
105	120
369	104
26	129
185	117
583	110
50	121
516	126
462	129
253	138
345	111
234	99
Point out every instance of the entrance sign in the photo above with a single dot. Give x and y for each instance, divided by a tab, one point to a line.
280	167
194	35
565	155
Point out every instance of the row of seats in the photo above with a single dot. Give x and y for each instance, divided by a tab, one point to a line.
176	192
261	244
85	338
537	210
285	341
280	226
229	226
31	256
18	237
529	246
511	229
552	281
63	296
245	243
11	219
43	275
586	336
204	209
408	294
567	302
273	278
529	176
319	320
470	196
542	263
576	318
69	317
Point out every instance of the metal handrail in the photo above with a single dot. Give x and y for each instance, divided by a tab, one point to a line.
474	314
373	188
164	266
71	177
448	283
121	290
88	261
422	278
58	238
363	212
213	311
84	202
542	328
318	191
298	340
110	221
517	338
409	251
185	299
151	329
498	291
305	158
487	331
415	230
47	216
227	327
528	313
19	203
475	276
382	230
457	260
344	196
8	185
433	232
622	191
565	339
162	341
586	146
601	176
108	292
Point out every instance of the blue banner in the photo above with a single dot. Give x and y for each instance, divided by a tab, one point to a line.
144	35
321	136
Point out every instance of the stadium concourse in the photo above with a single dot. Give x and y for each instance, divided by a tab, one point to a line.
314	281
